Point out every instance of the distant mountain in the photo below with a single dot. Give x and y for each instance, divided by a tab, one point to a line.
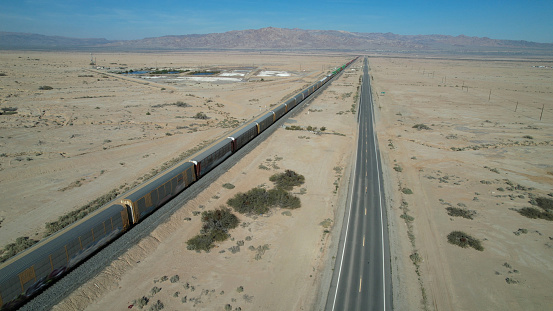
17	40
286	39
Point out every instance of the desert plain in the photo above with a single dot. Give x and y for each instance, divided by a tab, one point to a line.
474	134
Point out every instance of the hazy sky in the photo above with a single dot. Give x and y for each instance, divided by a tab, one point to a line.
530	20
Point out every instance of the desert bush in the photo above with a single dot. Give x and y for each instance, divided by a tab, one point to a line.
20	244
293	128
407	218
220	219
158	305
258	201
155	290
9	110
255	201
415	258
545	203
464	240
534	213
398	168
460	212
284	199
260	251
240	289
215	228
141	302
174	279
519	231
228	186
421	126
287	180
201	116
45	87
511	281
407	191
200	242
326	223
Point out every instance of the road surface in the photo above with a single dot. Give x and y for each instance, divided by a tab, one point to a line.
362	279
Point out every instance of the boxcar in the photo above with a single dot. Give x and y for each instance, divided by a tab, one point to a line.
243	136
265	121
299	98
24	274
210	158
291	103
280	110
151	195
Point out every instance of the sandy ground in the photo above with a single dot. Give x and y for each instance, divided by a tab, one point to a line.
285	276
477	144
96	131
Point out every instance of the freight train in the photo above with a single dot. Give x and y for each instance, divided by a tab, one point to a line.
31	271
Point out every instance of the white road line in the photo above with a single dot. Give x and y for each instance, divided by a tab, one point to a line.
363	240
360	281
347	227
381	216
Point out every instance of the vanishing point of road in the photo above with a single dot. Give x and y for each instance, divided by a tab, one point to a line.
362	274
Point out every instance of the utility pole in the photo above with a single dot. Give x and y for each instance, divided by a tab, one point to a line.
516	107
543	106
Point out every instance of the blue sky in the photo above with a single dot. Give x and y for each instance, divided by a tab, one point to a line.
530	20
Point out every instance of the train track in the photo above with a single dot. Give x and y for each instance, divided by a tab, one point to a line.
103	258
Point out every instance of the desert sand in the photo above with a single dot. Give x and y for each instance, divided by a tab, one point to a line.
476	147
475	144
95	131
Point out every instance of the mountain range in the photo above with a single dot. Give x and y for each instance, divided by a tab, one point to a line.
284	39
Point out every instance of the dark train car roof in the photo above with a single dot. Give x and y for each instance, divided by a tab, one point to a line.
210	150
265	116
290	101
44	248
156	181
243	130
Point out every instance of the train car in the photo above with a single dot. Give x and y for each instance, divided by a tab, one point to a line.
244	136
265	121
290	104
279	111
213	156
143	200
305	94
299	98
31	270
27	273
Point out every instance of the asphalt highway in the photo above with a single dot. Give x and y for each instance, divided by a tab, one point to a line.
362	279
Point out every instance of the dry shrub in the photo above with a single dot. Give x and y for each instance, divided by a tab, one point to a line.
464	240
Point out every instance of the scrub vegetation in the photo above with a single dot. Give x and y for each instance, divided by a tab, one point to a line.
216	225
464	240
